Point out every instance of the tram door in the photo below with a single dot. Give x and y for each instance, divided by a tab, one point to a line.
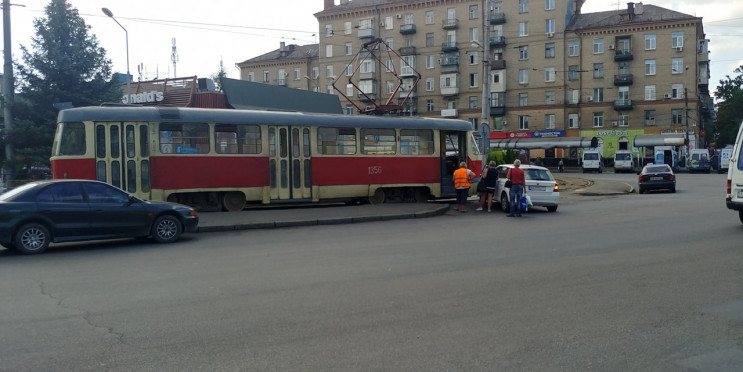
123	157
290	163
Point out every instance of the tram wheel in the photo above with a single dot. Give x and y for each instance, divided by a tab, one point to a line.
233	201
378	197
421	195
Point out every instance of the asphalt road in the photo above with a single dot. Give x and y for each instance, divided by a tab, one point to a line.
608	283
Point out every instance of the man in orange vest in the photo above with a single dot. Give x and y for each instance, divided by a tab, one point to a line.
462	178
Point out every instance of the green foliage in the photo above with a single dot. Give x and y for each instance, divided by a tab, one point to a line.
730	110
65	64
502	156
219	75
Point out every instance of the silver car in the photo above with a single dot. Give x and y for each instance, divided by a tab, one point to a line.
541	187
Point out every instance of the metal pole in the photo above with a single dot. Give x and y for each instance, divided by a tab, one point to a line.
485	76
107	12
8	85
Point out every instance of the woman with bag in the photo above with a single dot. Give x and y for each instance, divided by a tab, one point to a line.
489	179
516	192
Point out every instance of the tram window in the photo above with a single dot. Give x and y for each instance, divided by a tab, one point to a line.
100	141
416	141
306	142
295	143
131	176
145	175
129	135
378	141
100	171
336	141
184	138
237	139
72	139
114	141
144	148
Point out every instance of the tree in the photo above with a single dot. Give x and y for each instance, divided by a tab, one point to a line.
64	65
219	75
730	109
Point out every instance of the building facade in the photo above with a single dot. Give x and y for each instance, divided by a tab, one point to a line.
291	66
529	68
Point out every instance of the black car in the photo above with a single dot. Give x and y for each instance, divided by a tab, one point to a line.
656	177
38	213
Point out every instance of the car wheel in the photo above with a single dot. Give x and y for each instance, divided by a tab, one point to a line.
505	206
673	189
740	216
32	238
641	190
552	209
166	229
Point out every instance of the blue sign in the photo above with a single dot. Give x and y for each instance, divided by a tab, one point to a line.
548	133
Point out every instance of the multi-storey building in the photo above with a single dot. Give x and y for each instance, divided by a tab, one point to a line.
538	67
291	66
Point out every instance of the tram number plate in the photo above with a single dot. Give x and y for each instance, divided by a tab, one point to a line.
375	170
656	178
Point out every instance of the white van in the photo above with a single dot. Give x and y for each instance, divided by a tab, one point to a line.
592	161
623	161
734	196
699	161
724	159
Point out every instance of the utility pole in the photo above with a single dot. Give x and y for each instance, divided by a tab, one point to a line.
485	82
8	84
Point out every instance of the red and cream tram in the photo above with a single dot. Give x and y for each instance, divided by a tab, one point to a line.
222	159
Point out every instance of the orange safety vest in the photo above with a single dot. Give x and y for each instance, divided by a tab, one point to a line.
461	178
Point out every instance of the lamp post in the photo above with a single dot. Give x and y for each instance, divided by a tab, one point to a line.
107	12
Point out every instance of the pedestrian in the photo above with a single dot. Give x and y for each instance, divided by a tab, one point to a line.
462	178
516	192
490	177
561	166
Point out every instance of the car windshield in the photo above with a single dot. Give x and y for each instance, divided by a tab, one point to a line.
591	156
18	190
657	169
623	157
537	175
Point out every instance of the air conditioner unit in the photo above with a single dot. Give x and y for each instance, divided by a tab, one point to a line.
399	16
611	46
550	34
505	123
679	49
614	123
589	98
667	96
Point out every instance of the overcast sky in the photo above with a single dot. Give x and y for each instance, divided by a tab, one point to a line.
237	30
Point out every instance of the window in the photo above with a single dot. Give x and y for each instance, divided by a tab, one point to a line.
523	28
549	4
474	34
349	49
549	50
430	62
649	67
598	45
329	50
237	139
389	65
61	193
523	76
573	48
336	141
677	39
388	23
523	122
677	91
390	86
329	72
649	92
573	72
549	26
623	119
649	117
429	17
378	141
349	69
265	76
549	121
367	66
251	76
523	6
677	65
349	90
598	70
297	74
649	41
328	30
598	94
429	84
315	72
549	97
429	39
416	141
677	116
474	12
347	28
523	99
473	58
549	74
598	119
473	102
523	52
390	43
473	80
73	140
184	138
573	121
407	65
429	105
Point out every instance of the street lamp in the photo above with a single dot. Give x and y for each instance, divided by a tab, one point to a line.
107	12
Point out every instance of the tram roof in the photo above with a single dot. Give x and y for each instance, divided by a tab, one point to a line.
228	116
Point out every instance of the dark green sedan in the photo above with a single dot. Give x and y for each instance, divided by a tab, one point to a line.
39	213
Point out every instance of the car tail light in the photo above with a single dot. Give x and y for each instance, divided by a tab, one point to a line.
670	177
557	188
729	188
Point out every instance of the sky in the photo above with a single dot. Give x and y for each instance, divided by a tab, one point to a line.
233	31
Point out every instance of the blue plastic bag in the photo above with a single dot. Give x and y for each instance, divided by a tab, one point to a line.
524	204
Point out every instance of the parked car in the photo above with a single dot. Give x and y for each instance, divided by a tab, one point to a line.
656	177
42	212
541	187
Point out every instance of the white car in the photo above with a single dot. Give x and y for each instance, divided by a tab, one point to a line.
541	187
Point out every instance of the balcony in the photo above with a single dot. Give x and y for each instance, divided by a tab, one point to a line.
623	105
623	55
496	18
449	113
449	91
623	80
449	46
407	29
497	42
498	64
366	33
450	62
280	82
407	51
497	110
450	24
367	97
410	93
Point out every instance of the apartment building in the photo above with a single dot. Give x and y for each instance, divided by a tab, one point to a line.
540	68
291	66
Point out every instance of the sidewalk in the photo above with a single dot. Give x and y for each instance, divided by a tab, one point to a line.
333	214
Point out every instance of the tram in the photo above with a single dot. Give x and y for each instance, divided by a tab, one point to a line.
221	159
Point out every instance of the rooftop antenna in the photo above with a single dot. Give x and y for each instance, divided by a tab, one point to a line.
174	58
